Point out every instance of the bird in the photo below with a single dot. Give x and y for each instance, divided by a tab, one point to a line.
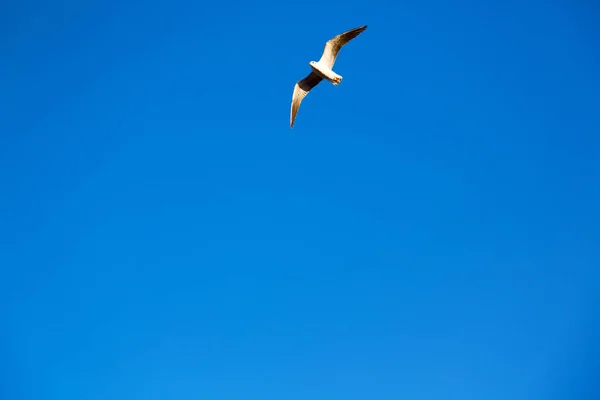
322	69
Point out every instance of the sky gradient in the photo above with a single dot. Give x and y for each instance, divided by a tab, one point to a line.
430	228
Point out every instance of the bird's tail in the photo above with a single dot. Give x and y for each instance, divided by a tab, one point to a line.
336	79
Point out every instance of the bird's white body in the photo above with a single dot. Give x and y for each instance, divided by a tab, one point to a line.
324	72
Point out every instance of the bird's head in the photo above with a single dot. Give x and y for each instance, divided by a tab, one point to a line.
312	63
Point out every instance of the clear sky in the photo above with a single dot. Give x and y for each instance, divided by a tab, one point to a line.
430	228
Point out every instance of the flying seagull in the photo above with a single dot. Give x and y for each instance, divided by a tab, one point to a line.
322	69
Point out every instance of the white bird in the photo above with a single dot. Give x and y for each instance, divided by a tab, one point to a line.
322	69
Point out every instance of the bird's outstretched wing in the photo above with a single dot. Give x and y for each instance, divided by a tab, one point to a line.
333	46
301	89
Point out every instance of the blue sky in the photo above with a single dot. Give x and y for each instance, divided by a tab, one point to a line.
428	230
